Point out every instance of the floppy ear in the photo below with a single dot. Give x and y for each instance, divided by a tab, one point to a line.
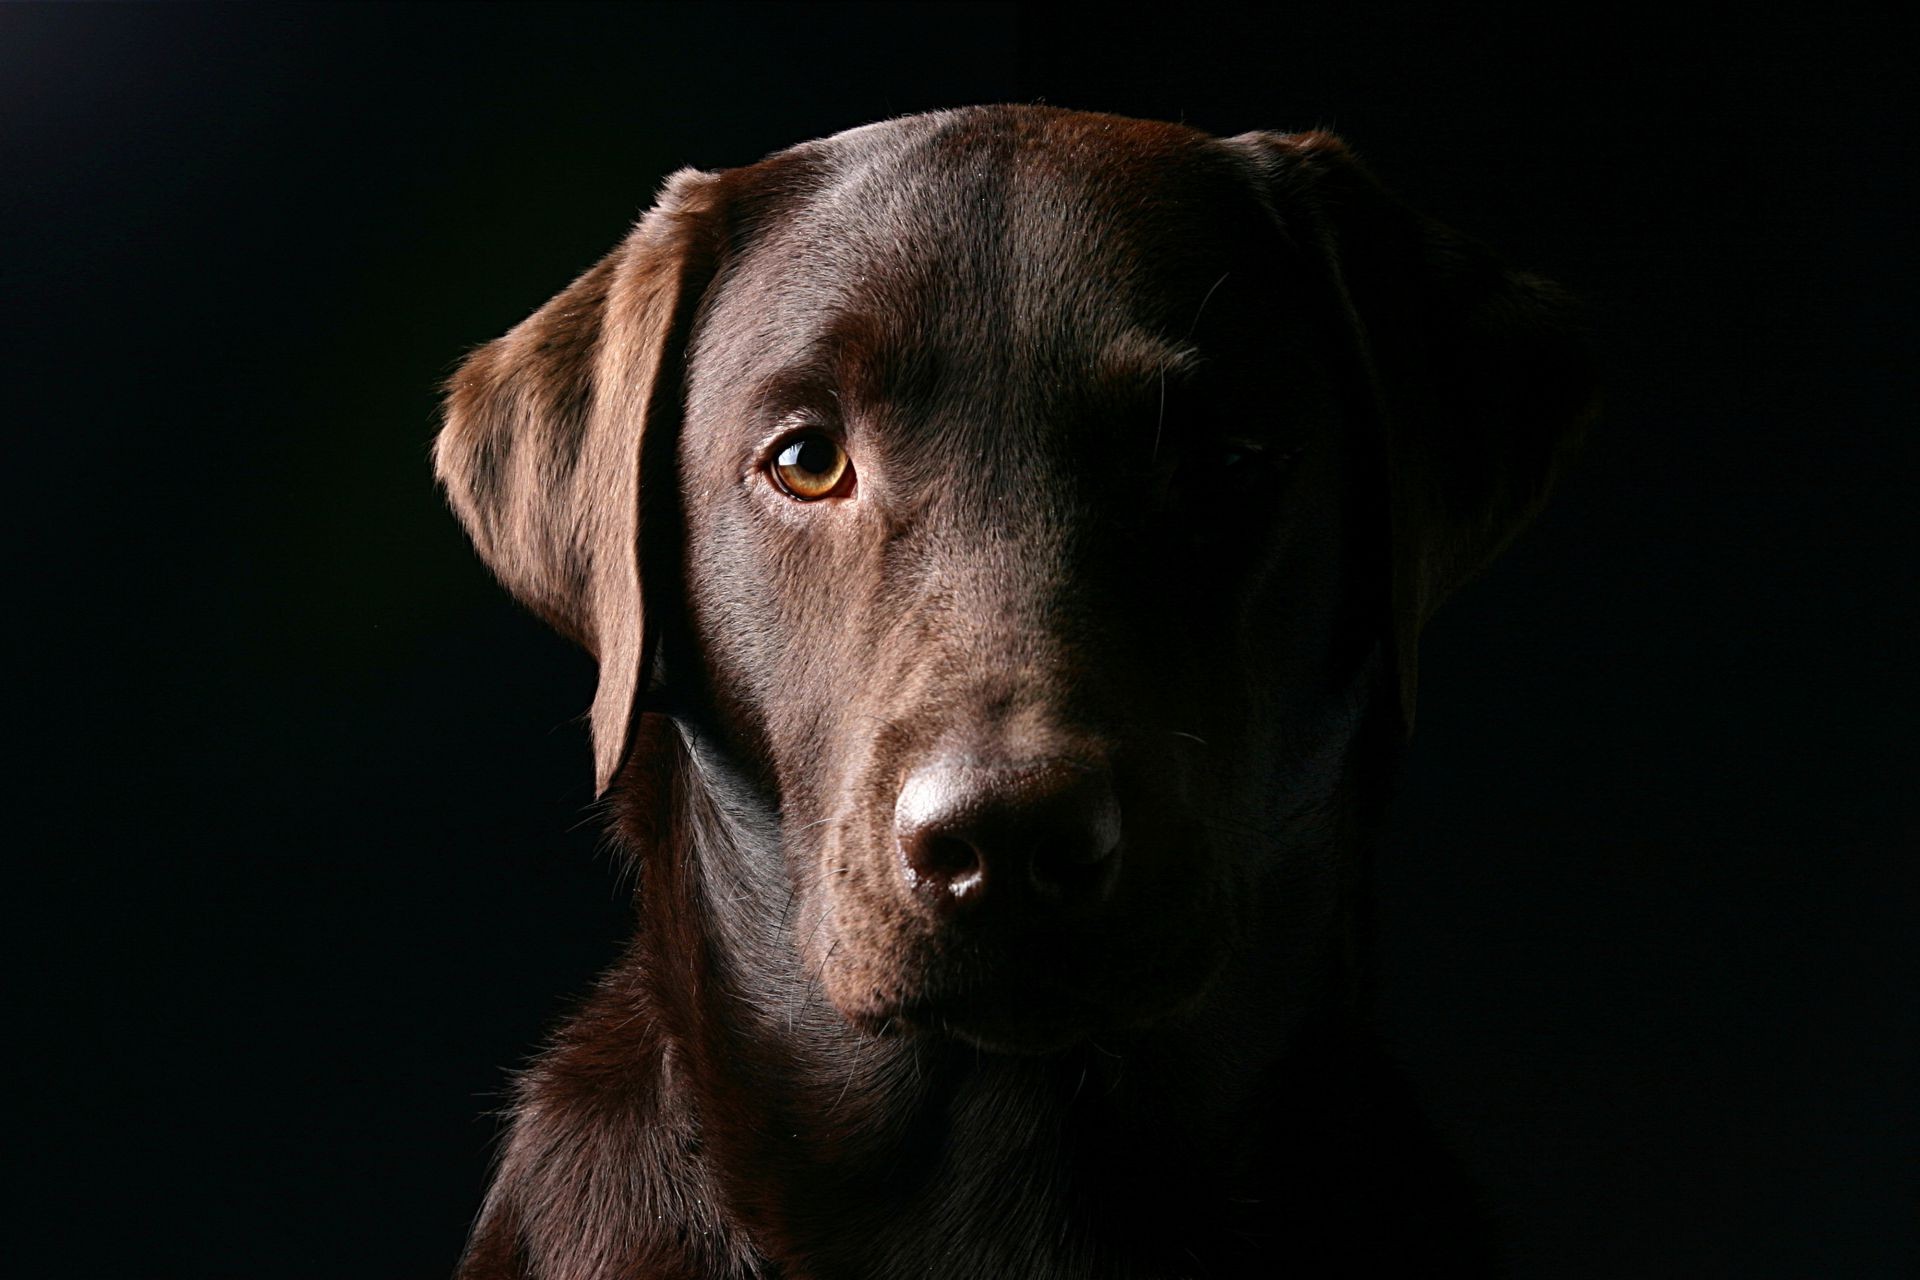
540	451
1478	373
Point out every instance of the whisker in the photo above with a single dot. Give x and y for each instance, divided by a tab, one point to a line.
853	1066
1204	301
1161	420
1241	829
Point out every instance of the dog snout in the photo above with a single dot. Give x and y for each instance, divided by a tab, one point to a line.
1006	838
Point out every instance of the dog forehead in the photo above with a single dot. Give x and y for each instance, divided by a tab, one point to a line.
1019	170
1022	237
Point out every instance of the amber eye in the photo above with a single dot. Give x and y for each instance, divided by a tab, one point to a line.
1240	467
811	467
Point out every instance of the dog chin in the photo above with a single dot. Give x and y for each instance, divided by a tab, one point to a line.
1000	1030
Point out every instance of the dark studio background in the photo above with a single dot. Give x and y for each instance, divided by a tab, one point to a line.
306	866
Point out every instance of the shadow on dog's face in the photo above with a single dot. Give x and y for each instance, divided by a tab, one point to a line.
1037	506
1017	552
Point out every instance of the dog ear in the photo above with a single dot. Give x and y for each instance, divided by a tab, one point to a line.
540	448
1478	373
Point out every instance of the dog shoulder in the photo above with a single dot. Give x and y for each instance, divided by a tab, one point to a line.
601	1172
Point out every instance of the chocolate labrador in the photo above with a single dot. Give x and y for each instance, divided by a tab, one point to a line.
1004	535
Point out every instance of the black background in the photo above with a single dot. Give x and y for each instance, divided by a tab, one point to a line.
307	863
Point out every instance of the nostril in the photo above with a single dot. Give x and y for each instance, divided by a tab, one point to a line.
943	866
1078	855
1072	868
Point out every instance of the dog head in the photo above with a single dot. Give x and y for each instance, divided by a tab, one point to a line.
1038	507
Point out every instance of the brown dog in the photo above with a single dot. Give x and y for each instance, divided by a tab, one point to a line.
1004	535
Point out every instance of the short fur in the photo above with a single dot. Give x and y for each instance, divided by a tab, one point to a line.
1166	447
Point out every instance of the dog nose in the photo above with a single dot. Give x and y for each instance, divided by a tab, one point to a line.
1046	833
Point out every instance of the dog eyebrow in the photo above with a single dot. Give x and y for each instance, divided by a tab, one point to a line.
854	358
1137	357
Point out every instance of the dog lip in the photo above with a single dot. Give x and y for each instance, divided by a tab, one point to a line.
1004	1015
1009	1009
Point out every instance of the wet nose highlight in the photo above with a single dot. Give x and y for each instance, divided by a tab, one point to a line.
1045	833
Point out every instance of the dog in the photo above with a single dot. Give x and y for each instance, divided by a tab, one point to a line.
1004	535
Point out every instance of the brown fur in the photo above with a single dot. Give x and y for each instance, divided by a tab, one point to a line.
1166	447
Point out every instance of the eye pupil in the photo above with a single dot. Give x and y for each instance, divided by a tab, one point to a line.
810	467
815	455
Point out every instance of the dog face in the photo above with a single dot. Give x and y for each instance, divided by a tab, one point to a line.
1012	480
1052	502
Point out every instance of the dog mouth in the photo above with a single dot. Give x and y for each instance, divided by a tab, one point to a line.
1008	1009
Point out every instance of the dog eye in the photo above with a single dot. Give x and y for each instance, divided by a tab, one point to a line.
1224	491
1237	466
811	467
